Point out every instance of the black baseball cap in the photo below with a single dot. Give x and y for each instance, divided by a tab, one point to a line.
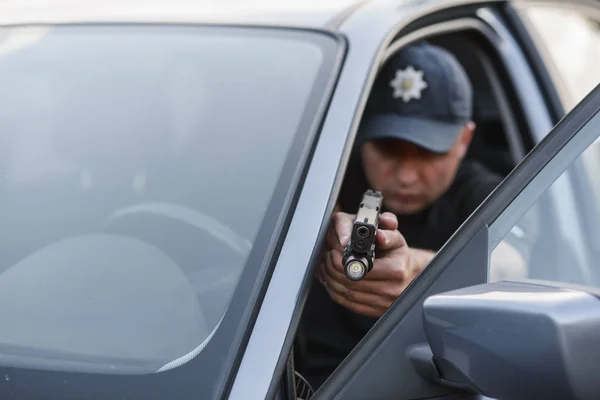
422	95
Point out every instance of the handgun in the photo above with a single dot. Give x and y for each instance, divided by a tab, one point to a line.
359	254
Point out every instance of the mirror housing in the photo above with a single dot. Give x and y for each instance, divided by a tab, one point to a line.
524	340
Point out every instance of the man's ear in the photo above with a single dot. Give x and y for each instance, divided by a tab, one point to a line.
465	137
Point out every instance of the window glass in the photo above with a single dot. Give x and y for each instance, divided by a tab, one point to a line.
555	238
570	38
558	237
137	167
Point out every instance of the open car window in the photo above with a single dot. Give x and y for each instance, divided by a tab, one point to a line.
523	242
572	51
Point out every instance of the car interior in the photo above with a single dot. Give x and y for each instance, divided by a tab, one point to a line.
500	142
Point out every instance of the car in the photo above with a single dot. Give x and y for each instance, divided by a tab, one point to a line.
169	170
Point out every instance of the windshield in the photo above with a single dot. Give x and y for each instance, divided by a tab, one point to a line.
138	166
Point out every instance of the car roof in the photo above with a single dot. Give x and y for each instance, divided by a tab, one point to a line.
301	13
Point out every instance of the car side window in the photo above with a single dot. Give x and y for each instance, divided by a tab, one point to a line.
559	228
557	239
572	48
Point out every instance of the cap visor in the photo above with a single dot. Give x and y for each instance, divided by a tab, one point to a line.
435	136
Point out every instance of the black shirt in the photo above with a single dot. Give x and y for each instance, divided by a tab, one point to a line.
328	331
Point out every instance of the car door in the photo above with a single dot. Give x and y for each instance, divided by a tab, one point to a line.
396	358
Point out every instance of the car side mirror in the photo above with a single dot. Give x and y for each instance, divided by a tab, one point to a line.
528	340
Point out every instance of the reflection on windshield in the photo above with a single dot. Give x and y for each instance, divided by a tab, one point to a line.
137	165
19	37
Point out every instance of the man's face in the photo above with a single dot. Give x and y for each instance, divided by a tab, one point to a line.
410	177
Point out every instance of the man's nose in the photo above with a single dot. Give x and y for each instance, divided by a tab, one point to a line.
406	171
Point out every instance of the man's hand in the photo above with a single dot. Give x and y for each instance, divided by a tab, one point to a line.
396	265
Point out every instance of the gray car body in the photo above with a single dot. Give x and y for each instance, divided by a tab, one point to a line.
368	30
368	27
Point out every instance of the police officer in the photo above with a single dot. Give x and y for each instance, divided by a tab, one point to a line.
411	146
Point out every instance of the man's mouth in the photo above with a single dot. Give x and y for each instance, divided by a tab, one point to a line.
405	197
